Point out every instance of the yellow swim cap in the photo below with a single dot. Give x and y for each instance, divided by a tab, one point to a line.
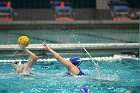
23	40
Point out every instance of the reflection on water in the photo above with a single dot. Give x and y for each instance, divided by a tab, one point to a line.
72	36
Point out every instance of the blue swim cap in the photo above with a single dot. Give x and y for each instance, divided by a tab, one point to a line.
75	60
84	90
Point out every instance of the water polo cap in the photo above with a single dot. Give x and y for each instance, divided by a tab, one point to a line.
75	60
84	90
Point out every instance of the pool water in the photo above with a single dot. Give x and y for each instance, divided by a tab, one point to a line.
116	76
72	36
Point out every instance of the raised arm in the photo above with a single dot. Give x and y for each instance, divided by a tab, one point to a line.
65	62
32	55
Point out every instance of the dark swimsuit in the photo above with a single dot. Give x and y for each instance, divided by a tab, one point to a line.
80	73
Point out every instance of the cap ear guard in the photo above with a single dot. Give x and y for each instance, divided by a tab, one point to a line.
16	62
76	61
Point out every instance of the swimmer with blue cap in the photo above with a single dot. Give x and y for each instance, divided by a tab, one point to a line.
84	90
71	64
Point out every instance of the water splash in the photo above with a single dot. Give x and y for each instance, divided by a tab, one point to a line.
96	64
15	52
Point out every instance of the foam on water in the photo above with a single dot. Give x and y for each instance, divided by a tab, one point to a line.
7	75
104	59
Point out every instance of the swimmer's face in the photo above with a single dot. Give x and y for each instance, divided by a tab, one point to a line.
16	63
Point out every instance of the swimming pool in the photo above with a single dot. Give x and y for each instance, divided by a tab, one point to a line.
116	76
58	36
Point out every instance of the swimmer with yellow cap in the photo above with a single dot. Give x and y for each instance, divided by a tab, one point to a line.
71	65
24	68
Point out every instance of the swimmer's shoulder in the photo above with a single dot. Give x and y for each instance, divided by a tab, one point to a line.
26	69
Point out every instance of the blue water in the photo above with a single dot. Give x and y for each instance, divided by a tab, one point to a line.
49	77
72	36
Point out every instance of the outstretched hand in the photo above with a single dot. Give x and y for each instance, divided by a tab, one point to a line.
44	44
22	46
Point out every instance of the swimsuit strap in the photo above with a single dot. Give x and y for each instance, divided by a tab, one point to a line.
80	73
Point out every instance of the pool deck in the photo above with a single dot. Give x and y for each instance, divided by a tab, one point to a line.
81	24
75	46
70	22
98	49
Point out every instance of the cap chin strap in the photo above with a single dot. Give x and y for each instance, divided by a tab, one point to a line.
79	63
